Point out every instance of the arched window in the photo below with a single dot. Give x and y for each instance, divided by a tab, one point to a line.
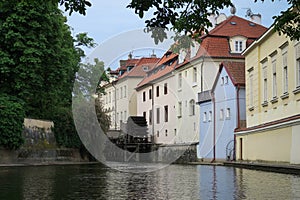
192	107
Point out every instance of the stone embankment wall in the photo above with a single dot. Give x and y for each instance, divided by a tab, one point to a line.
39	146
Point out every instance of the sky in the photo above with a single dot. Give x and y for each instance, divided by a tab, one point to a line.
107	19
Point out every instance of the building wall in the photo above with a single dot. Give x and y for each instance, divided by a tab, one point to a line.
268	145
165	132
205	147
226	114
126	100
269	99
259	65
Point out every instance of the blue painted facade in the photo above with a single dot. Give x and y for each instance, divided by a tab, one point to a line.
227	106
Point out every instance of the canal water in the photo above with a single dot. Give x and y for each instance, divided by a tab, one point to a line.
173	182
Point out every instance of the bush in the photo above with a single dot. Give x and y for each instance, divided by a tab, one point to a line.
12	115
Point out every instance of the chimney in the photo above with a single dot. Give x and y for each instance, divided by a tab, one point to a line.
153	54
256	18
130	56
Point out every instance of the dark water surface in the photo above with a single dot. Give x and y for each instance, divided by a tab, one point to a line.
173	182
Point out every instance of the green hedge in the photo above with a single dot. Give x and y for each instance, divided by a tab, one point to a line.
12	115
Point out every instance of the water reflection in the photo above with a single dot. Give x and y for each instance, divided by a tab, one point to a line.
173	182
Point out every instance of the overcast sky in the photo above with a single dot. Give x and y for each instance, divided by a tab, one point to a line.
106	19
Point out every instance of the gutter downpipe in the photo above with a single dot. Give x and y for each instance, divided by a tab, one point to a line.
115	105
152	91
238	118
214	129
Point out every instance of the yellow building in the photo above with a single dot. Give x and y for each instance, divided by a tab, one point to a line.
273	101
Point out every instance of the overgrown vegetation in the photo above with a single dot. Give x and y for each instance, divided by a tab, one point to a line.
12	116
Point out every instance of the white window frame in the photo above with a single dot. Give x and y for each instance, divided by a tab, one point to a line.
221	114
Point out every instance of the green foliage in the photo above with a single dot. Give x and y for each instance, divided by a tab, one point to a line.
64	128
190	17
11	124
75	5
39	61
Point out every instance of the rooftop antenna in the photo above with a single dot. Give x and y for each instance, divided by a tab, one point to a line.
249	12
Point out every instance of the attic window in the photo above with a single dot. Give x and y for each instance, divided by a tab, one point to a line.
251	24
233	23
145	68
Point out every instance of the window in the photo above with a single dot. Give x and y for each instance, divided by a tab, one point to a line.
251	90
125	91
179	80
144	96
195	74
285	80
121	117
228	113
150	94
150	117
226	79
274	79
166	114
121	92
204	117
298	73
210	116
297	48
157	134
165	88
221	114
192	107
125	116
117	117
157	115
238	46
117	94
222	81
179	109
144	115
109	97
265	85
186	73
157	91
166	133
175	131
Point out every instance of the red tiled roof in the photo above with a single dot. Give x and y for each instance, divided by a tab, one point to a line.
137	70
236	71
235	25
159	71
216	42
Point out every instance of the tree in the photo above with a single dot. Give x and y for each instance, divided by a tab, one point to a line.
191	17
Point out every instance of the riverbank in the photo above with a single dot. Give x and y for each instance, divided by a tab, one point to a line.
47	164
262	166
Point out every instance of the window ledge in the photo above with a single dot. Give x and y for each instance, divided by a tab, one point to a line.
179	116
297	90
194	84
179	89
251	108
284	96
274	100
264	104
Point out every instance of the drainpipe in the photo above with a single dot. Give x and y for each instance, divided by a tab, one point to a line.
152	91
238	118
214	127
115	105
202	74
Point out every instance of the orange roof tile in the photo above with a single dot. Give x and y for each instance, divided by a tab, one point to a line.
137	70
164	66
235	25
236	71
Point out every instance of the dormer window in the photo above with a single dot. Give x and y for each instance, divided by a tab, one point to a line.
238	44
145	68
